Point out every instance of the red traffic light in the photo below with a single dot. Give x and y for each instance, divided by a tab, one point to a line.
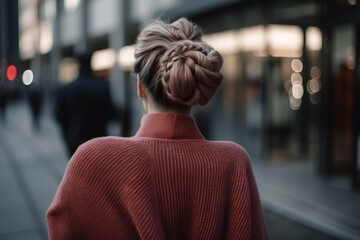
11	72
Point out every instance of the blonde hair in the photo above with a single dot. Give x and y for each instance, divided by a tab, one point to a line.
175	65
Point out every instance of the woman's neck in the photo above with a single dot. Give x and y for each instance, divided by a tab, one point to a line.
153	108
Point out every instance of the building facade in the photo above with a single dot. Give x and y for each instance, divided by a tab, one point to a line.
293	89
291	72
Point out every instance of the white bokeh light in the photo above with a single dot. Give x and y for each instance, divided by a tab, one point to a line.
103	59
297	65
126	58
296	78
297	91
28	77
313	38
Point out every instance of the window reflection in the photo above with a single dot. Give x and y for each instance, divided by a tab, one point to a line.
343	103
265	87
70	5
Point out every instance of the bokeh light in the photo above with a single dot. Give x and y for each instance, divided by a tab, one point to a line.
294	103
297	65
313	86
126	57
11	72
313	38
296	78
297	91
287	85
28	77
103	59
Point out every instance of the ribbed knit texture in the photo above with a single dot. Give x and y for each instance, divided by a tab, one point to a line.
166	182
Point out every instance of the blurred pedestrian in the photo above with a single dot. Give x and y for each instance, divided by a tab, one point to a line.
35	99
168	181
83	108
3	102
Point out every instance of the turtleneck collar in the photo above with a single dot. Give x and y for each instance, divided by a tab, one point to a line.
168	126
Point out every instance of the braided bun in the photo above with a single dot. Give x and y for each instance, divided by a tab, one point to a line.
175	64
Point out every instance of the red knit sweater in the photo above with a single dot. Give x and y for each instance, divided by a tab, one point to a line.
166	182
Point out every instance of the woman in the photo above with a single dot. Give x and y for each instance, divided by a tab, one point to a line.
166	182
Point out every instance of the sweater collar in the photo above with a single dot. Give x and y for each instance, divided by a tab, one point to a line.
168	126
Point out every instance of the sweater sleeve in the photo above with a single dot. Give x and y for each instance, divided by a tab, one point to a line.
245	214
258	224
66	216
83	206
62	213
61	219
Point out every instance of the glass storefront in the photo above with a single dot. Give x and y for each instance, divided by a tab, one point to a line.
343	73
268	88
271	98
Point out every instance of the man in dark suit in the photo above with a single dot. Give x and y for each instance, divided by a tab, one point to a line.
84	107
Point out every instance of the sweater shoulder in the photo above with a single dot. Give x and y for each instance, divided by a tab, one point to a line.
235	154
107	152
108	145
232	148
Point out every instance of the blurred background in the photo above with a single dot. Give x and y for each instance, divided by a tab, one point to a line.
290	96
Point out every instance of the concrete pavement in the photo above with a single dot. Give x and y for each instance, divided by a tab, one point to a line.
31	167
293	191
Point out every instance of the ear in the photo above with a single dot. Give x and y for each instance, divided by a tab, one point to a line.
140	88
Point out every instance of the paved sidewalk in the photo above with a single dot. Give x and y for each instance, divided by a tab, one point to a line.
31	168
294	191
298	205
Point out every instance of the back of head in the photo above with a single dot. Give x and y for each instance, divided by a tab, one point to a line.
84	60
175	65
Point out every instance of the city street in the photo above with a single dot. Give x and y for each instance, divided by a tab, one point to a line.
32	164
280	78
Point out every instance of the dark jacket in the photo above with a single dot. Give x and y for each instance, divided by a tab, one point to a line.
83	109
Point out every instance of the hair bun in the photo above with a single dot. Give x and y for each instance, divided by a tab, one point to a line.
175	65
190	72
